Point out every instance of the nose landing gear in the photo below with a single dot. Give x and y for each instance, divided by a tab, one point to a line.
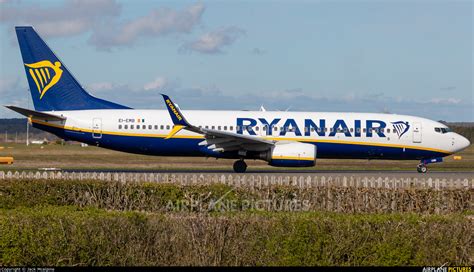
421	168
240	166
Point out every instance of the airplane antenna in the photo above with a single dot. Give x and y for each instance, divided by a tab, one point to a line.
262	108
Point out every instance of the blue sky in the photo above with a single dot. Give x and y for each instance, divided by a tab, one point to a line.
407	57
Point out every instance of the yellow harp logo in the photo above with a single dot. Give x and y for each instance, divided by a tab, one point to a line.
41	72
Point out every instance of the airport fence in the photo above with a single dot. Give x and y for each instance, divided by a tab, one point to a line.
351	194
253	181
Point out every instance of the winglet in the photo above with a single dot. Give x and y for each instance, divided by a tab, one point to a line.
176	116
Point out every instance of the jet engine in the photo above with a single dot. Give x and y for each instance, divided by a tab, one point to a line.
291	154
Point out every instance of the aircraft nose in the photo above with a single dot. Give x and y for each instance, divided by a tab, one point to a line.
462	143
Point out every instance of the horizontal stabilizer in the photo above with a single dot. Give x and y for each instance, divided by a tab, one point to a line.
36	114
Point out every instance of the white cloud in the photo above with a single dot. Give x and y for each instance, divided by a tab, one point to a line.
158	22
101	19
157	84
213	42
452	101
73	17
101	86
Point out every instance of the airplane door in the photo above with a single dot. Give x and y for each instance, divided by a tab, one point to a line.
417	132
97	128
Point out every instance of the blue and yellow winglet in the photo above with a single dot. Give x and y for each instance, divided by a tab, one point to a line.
176	116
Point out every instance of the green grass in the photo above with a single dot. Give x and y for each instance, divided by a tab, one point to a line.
66	222
51	235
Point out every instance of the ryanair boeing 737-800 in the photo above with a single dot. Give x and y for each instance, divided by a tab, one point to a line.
289	139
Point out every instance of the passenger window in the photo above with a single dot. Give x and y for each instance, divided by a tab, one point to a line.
138	126
162	127
312	129
364	130
318	130
207	127
213	127
275	128
352	129
144	127
325	129
231	128
168	127
132	126
150	127
126	126
120	126
219	128
256	128
156	127
388	130
358	130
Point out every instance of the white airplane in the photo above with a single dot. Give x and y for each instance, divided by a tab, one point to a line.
289	139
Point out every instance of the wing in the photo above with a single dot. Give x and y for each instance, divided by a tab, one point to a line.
215	140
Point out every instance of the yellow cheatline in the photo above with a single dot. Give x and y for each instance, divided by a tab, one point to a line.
40	79
277	139
175	130
36	81
358	143
457	158
152	135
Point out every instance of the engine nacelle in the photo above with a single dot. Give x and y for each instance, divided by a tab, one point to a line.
292	154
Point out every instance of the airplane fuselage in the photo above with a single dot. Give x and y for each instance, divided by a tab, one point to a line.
336	135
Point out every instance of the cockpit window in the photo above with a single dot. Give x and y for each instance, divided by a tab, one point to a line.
442	130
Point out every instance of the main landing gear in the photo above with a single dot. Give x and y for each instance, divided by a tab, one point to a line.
421	168
240	166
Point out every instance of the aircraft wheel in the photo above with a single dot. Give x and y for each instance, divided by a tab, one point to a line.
240	166
422	168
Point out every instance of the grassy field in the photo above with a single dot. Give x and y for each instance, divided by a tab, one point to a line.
76	157
49	223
